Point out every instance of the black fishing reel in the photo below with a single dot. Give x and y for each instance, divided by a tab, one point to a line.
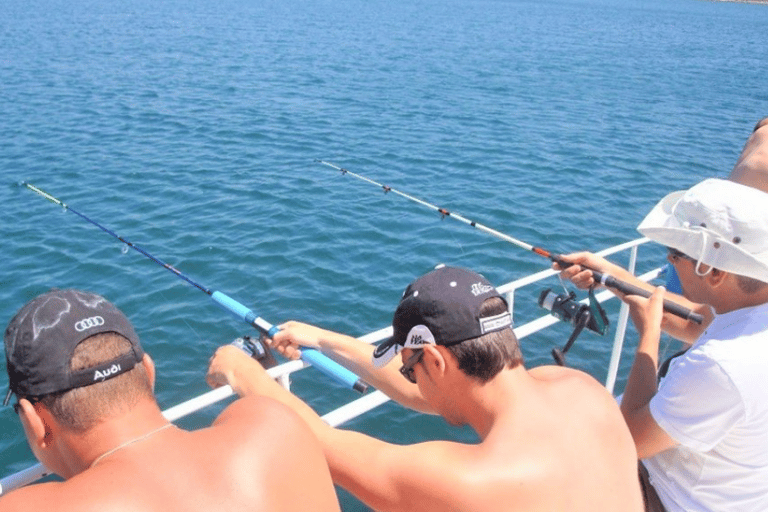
258	349
568	309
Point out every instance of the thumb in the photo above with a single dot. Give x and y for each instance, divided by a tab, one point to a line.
657	298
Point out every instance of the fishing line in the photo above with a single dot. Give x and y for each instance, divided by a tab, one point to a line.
312	356
602	278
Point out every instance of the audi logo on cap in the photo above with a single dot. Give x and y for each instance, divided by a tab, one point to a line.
87	323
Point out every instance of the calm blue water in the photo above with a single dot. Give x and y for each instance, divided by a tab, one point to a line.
191	129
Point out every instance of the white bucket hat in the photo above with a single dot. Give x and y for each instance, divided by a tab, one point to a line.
718	222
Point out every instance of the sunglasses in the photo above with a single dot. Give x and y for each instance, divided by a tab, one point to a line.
675	255
32	399
408	368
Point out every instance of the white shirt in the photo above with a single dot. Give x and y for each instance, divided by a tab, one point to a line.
714	403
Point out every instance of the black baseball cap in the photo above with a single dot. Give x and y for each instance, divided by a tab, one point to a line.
441	307
41	339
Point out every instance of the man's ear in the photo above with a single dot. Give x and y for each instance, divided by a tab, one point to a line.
149	366
435	360
717	277
35	424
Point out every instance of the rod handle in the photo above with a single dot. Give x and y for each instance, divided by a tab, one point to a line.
315	358
630	289
333	369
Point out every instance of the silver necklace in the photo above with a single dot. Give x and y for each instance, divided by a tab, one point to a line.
128	443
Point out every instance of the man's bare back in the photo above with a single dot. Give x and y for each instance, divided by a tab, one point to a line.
562	446
251	458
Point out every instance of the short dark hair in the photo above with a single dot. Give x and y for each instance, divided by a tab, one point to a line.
80	409
750	285
485	356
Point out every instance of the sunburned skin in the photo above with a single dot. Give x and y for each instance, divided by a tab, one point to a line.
751	168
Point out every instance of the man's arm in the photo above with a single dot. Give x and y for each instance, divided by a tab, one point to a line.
649	437
383	475
581	275
354	355
402	478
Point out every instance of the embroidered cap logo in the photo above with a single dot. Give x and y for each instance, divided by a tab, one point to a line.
480	288
417	339
98	375
87	323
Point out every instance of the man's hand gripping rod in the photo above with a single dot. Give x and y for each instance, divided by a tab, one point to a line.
627	288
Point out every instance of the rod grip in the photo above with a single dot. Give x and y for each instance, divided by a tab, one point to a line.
630	289
333	369
315	358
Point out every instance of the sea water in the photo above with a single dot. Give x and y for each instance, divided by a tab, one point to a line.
190	128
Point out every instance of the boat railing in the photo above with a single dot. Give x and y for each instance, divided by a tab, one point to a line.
371	400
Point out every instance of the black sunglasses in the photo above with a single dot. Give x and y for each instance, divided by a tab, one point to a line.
407	369
676	255
32	399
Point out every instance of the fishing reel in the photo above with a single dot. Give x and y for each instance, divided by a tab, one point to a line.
566	308
258	349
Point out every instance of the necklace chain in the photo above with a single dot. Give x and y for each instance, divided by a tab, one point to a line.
128	443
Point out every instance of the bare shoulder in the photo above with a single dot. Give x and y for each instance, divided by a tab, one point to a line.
59	496
247	460
576	390
274	446
259	421
563	376
32	497
256	410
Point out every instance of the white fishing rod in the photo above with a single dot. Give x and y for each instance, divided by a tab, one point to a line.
603	278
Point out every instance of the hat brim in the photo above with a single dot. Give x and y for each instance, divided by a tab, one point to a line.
662	226
385	352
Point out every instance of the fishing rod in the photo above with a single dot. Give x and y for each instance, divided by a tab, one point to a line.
600	277
311	356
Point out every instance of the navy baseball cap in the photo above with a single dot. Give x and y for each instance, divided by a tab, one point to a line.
41	339
441	307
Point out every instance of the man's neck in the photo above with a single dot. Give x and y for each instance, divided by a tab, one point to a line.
83	448
735	301
492	402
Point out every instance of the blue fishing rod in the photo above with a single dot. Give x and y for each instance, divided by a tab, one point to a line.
602	278
311	356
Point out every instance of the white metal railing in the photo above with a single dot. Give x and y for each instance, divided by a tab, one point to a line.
372	400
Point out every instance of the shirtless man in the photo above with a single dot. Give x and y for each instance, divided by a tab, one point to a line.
85	400
751	168
552	438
